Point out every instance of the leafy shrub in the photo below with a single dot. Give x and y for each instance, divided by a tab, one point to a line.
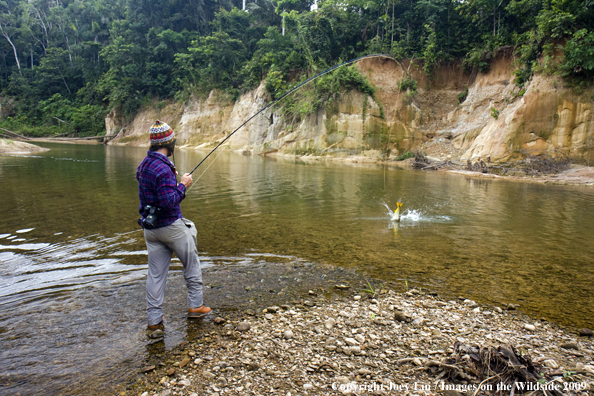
408	84
405	155
462	95
579	54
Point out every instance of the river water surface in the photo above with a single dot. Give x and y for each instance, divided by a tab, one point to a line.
73	260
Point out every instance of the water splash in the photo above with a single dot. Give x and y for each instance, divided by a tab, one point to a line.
390	212
412	215
417	216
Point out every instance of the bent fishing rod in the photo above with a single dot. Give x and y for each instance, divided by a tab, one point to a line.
288	93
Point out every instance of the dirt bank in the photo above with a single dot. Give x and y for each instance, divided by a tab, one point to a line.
17	147
362	343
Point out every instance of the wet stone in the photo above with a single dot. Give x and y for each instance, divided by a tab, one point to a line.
218	320
157	334
586	332
171	371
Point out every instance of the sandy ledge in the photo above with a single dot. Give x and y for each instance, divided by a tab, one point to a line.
17	147
364	342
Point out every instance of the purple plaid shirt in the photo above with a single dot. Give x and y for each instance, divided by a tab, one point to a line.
157	186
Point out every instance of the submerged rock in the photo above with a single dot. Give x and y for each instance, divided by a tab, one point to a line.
586	332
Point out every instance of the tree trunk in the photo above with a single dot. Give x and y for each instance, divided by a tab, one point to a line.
494	20
16	55
392	39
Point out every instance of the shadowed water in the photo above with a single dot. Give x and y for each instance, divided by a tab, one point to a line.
73	261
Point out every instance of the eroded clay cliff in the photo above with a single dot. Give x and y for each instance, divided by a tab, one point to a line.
496	120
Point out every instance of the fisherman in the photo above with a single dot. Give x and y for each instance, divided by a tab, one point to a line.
166	231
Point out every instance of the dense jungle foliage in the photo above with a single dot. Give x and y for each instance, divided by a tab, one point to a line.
65	63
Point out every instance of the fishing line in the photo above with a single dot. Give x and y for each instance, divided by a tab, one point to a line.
202	174
284	95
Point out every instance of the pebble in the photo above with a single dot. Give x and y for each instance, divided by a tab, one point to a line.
184	362
529	327
570	345
329	323
357	298
219	320
498	310
269	316
244	326
272	309
550	363
586	332
184	383
171	371
401	317
450	392
342	379
351	341
360	338
288	334
307	386
165	393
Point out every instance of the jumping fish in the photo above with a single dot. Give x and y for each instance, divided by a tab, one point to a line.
396	214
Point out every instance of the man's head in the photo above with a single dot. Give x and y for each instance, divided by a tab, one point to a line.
161	136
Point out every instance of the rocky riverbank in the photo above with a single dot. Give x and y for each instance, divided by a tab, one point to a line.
381	342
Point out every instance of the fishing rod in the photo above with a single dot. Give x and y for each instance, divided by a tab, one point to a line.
287	93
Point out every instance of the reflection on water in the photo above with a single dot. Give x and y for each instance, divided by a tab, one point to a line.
73	262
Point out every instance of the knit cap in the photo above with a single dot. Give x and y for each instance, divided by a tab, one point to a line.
161	134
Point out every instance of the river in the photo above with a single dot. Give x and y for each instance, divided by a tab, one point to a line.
73	260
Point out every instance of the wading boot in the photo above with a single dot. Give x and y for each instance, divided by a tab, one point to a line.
196	313
156	331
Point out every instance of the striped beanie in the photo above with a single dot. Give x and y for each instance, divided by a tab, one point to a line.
161	134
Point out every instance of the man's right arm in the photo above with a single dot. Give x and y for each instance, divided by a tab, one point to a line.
187	180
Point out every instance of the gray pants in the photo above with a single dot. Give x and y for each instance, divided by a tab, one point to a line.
161	243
